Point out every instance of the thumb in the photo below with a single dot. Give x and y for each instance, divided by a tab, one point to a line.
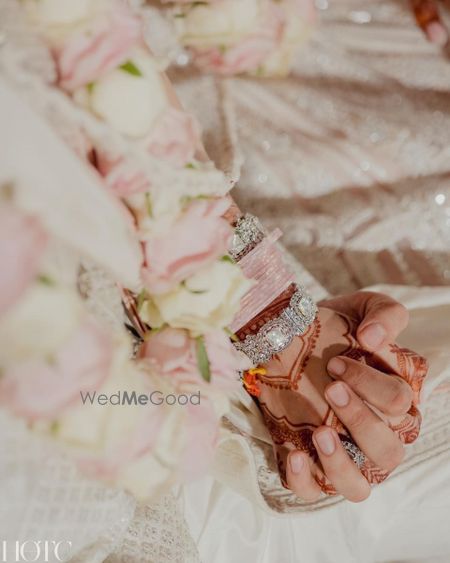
383	320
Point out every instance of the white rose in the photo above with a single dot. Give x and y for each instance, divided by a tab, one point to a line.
40	323
297	30
61	12
133	446
209	299
219	22
130	98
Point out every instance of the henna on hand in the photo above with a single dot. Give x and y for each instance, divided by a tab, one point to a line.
292	389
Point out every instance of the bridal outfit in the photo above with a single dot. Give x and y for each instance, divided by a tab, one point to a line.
349	156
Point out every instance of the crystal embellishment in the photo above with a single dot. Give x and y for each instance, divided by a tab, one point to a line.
356	455
247	234
277	334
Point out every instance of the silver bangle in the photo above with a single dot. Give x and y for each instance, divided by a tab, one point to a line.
278	333
247	234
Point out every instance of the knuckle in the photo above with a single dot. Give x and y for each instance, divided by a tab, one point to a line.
357	418
400	312
400	401
356	374
396	311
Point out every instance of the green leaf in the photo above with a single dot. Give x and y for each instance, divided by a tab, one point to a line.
45	280
140	299
231	335
131	68
90	87
54	427
228	258
194	291
202	359
152	331
148	204
7	191
187	199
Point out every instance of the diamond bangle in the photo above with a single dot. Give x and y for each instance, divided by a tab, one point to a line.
248	232
278	333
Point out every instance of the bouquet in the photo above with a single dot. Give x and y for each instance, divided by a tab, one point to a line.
140	413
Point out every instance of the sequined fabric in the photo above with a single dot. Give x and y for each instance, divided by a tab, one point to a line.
350	155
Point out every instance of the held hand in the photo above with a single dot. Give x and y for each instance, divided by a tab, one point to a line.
314	443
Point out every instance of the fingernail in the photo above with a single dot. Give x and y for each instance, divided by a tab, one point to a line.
325	441
336	366
373	335
296	460
437	33
338	394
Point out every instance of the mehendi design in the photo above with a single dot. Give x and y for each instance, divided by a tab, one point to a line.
412	367
408	429
373	473
287	434
325	484
284	431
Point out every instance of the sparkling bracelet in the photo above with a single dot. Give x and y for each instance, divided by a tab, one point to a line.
248	232
278	333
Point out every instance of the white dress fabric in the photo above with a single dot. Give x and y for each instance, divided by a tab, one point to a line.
405	518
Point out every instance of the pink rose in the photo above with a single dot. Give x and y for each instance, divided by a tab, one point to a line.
99	47
247	53
122	178
173	353
22	242
246	56
175	137
43	389
225	361
198	237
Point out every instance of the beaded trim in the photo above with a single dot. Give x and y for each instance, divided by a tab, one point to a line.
248	232
278	333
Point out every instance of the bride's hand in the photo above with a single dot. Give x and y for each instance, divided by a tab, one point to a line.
315	444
